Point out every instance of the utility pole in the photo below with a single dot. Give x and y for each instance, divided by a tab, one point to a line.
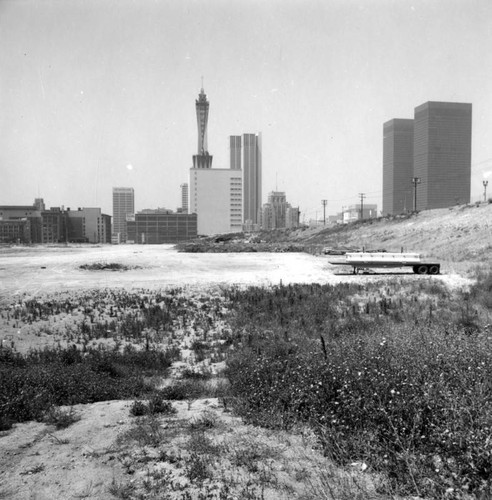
362	196
324	202
485	184
415	181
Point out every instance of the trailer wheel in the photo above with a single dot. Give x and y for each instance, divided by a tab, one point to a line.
434	270
422	269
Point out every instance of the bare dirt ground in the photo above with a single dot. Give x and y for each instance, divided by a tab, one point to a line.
101	456
38	270
456	234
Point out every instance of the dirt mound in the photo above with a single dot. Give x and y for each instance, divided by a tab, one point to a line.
461	233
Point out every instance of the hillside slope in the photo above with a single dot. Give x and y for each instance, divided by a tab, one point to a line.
456	234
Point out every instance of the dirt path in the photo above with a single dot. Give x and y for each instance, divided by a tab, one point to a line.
199	450
42	463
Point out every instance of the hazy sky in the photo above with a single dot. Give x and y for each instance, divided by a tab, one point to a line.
101	93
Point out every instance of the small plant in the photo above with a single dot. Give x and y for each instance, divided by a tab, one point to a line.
207	420
60	418
200	444
197	468
124	491
190	373
138	409
147	431
157	404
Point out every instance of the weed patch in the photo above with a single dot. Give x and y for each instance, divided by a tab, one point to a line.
407	393
31	385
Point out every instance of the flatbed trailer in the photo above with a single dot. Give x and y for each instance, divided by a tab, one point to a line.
365	260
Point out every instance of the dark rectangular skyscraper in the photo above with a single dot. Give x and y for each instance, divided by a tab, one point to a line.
442	154
251	176
397	166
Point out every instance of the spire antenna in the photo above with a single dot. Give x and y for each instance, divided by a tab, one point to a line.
202	83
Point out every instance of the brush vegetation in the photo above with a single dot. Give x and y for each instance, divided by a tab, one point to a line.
396	376
392	374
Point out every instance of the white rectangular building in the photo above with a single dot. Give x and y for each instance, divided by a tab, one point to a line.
123	204
216	196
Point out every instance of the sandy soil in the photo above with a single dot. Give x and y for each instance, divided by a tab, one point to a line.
106	455
92	458
40	270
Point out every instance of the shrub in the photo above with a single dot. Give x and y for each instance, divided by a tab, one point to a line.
207	420
61	418
157	404
31	384
412	399
190	373
180	391
139	408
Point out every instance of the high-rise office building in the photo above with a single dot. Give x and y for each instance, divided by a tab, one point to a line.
442	154
251	159
427	160
123	204
202	159
235	152
184	198
397	166
277	213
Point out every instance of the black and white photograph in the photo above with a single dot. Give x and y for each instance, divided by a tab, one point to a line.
245	249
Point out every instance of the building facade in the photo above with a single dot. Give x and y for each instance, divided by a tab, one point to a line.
155	227
20	224
15	231
252	173
397	166
123	204
235	152
354	212
442	154
435	172
184	198
277	213
35	224
216	198
88	225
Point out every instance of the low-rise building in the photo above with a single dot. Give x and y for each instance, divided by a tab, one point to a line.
34	224
21	224
15	231
154	227
354	212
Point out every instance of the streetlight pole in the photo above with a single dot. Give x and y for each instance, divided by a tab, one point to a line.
485	184
415	181
324	202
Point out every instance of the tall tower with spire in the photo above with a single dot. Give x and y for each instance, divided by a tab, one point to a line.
202	159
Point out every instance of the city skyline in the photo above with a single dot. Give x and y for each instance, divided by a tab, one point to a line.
96	94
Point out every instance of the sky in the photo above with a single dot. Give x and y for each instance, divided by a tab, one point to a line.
96	94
